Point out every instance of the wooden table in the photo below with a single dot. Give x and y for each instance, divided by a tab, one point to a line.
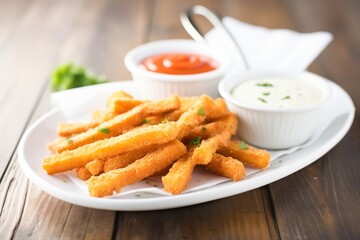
320	201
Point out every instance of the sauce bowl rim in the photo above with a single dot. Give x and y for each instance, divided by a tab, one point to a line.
236	78
134	56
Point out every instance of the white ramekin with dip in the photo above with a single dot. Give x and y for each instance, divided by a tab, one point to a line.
276	110
182	67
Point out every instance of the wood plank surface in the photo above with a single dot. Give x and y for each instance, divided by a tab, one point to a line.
240	215
318	202
27	212
26	59
325	194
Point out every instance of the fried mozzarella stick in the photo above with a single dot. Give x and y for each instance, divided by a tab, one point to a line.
120	123
115	180
227	167
218	110
126	158
194	115
251	156
131	140
120	102
83	173
103	116
69	129
207	130
95	167
123	105
204	153
179	175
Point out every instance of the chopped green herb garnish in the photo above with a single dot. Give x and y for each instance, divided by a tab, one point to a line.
165	120
264	84
196	141
69	140
262	100
104	130
266	94
243	145
137	195
72	76
145	121
203	129
286	97
201	112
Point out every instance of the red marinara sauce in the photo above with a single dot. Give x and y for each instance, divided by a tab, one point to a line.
179	63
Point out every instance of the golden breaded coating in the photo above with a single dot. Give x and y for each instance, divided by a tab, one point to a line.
179	175
120	123
219	109
249	155
124	159
115	180
123	105
115	96
69	129
227	167
110	147
102	116
83	173
205	152
95	167
194	116
134	139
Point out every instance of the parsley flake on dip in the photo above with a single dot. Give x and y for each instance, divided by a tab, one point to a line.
277	92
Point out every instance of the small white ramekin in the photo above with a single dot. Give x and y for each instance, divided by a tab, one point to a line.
275	128
158	85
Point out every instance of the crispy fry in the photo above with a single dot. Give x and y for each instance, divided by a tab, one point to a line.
120	102
210	129
187	102
120	123
126	158
102	116
219	109
123	105
249	155
134	139
117	95
205	152
83	173
53	145
106	148
69	129
179	175
227	167
115	180
194	116
95	167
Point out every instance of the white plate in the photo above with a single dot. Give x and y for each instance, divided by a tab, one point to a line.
32	150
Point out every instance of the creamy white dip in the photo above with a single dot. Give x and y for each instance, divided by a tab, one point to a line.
277	93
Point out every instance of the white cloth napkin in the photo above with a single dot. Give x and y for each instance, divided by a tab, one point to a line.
267	49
